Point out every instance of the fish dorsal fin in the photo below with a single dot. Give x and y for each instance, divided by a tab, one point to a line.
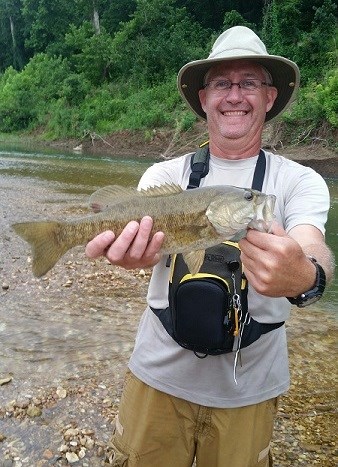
194	260
109	195
162	190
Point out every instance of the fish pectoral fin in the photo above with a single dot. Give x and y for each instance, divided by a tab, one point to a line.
194	260
107	196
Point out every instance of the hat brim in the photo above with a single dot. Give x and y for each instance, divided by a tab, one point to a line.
284	72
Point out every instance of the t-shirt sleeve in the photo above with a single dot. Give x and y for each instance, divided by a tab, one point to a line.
173	171
306	199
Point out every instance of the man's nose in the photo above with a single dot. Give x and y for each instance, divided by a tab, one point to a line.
234	93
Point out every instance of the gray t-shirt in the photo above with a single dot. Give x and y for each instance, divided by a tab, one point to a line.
302	198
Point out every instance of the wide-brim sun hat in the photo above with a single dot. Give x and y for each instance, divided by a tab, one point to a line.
240	43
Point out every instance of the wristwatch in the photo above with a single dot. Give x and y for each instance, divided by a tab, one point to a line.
314	294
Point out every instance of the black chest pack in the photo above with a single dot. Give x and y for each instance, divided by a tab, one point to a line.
208	311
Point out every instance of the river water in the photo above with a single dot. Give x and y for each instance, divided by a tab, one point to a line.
74	328
55	327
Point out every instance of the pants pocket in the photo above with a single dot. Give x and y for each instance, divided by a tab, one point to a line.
116	456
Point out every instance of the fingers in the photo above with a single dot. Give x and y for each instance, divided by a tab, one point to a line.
133	248
151	255
120	247
278	230
99	244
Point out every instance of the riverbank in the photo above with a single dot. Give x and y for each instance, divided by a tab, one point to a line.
66	339
161	144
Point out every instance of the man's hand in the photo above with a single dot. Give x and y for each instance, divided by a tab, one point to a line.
275	264
132	249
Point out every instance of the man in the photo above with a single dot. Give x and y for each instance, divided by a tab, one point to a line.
176	407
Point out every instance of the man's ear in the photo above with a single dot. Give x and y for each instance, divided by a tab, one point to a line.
202	96
271	94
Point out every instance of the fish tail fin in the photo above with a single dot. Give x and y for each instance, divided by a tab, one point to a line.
46	246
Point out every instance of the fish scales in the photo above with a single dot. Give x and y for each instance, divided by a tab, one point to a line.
192	220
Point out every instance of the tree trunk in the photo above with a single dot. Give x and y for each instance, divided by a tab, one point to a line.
96	19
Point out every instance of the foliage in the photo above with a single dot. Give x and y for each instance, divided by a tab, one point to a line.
271	31
11	41
157	40
315	115
234	18
88	53
24	95
98	65
317	102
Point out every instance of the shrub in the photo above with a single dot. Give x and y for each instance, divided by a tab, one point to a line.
315	115
26	96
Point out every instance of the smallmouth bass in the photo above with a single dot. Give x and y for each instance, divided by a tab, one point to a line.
192	220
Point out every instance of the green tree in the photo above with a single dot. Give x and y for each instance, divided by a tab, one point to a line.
113	13
271	32
210	14
234	18
25	97
11	38
157	41
317	49
89	53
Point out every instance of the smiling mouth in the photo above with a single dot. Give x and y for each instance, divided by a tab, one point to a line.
234	113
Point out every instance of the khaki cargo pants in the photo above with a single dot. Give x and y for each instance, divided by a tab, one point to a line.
154	429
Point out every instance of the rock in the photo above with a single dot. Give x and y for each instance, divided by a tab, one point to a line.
72	457
5	380
61	392
34	411
5	286
69	283
90	443
311	447
82	453
48	454
7	463
70	433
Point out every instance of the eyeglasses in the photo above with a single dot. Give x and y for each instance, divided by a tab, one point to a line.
246	85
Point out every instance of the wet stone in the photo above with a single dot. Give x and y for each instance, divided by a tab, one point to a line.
34	411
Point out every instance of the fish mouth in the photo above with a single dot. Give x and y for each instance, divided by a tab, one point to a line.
264	214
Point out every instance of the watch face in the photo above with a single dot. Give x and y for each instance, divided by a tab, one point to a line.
311	296
309	300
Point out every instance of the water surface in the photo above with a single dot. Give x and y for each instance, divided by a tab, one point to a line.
78	316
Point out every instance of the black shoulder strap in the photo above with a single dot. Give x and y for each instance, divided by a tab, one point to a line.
258	177
200	167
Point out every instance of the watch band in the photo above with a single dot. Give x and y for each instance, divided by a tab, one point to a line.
315	293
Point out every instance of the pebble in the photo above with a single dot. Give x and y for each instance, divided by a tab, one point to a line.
5	380
72	457
70	433
34	411
48	454
7	463
62	393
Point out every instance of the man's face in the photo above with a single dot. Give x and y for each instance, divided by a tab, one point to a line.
235	113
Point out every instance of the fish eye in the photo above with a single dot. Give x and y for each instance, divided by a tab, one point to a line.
248	195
